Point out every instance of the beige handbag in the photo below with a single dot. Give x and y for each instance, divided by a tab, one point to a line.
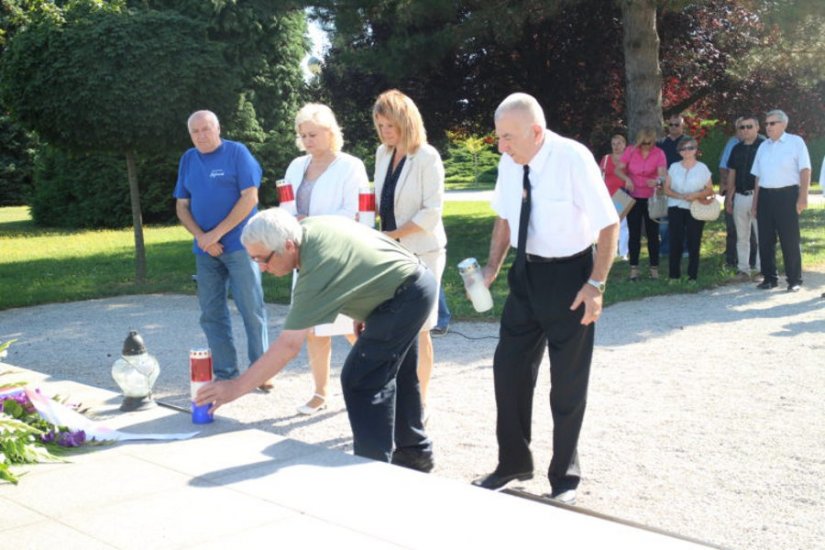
657	206
623	202
706	210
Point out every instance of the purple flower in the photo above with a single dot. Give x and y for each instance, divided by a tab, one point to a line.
71	439
47	437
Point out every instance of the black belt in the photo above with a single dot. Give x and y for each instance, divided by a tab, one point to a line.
783	188
746	193
534	259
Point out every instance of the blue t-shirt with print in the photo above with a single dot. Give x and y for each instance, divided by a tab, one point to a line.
213	183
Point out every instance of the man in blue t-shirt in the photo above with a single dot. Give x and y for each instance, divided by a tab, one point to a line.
217	193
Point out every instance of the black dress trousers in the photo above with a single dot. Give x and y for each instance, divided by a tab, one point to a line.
537	315
776	216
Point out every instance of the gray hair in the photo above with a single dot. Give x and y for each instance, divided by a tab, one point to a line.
525	103
323	116
778	114
213	118
272	228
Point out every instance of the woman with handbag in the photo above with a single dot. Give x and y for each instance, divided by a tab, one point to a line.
614	183
687	181
642	168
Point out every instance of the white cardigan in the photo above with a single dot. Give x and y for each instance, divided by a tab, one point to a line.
419	196
336	190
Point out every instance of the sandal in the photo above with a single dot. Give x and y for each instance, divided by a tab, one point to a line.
308	409
634	273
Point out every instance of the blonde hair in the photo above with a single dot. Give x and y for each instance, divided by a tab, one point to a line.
645	134
402	113
321	115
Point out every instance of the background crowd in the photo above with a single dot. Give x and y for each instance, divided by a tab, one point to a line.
778	167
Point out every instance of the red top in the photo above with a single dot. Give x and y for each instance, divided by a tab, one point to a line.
613	182
640	169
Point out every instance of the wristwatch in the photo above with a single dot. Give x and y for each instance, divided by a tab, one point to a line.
599	285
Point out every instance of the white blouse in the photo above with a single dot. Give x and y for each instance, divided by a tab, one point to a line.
686	180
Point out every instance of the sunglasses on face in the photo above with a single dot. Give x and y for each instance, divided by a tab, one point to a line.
646	143
772	122
746	127
688	148
674	124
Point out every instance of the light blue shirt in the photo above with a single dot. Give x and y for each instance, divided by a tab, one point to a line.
778	163
723	162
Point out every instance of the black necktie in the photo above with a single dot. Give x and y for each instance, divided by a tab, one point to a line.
524	216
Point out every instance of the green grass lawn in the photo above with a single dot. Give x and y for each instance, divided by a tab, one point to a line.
40	266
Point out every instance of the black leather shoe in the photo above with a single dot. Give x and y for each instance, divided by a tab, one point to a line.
414	460
567	497
496	481
766	285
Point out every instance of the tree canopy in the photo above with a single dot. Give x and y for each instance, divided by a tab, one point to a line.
101	81
459	59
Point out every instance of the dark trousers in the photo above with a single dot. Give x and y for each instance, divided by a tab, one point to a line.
635	219
537	316
776	215
379	377
684	227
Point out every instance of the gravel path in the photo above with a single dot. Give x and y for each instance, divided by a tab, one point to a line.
705	412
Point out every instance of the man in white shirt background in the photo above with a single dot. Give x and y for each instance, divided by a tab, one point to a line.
783	174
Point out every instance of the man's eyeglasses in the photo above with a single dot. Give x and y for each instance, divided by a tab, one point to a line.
674	124
772	122
263	261
746	127
687	148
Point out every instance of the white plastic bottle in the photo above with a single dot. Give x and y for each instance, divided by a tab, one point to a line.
474	285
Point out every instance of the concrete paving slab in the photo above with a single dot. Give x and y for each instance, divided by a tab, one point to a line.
50	534
304	532
232	486
175	518
102	479
209	459
12	515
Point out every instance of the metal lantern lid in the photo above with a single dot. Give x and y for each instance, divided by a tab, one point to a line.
133	345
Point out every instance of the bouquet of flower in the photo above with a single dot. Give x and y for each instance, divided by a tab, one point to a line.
26	437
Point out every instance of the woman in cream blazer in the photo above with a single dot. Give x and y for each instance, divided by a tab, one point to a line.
411	169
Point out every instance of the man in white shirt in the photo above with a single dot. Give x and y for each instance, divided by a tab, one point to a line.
783	174
551	204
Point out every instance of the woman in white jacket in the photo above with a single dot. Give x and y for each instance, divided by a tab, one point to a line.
409	192
325	182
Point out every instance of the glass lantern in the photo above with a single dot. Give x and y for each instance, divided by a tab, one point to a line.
136	372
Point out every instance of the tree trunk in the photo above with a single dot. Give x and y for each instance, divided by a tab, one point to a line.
641	59
137	219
